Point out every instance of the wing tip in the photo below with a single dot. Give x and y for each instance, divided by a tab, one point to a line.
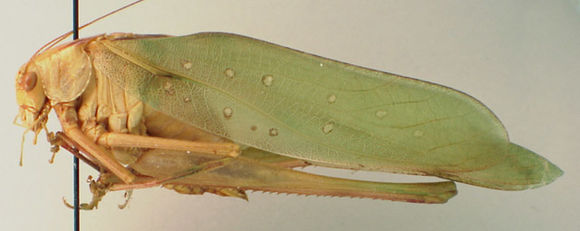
522	169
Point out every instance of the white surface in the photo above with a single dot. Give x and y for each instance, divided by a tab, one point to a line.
521	58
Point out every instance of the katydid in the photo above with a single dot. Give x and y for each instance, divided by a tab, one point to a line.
224	113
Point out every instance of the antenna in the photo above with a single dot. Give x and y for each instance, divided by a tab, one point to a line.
58	39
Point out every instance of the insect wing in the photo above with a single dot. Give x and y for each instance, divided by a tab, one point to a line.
324	111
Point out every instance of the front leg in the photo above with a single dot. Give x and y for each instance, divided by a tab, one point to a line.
60	140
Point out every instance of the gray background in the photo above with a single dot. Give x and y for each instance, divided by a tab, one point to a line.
521	58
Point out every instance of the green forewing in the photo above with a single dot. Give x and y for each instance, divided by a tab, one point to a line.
331	113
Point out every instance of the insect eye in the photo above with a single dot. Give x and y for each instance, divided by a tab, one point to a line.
28	81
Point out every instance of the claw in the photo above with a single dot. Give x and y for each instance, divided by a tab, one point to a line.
99	189
127	196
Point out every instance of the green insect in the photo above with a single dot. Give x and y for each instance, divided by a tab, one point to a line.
224	113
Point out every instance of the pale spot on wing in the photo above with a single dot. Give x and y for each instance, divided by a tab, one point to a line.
273	132
187	65
229	72
228	112
418	133
267	80
328	127
331	99
381	114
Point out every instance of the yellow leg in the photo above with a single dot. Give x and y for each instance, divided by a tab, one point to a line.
61	140
207	166
137	141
